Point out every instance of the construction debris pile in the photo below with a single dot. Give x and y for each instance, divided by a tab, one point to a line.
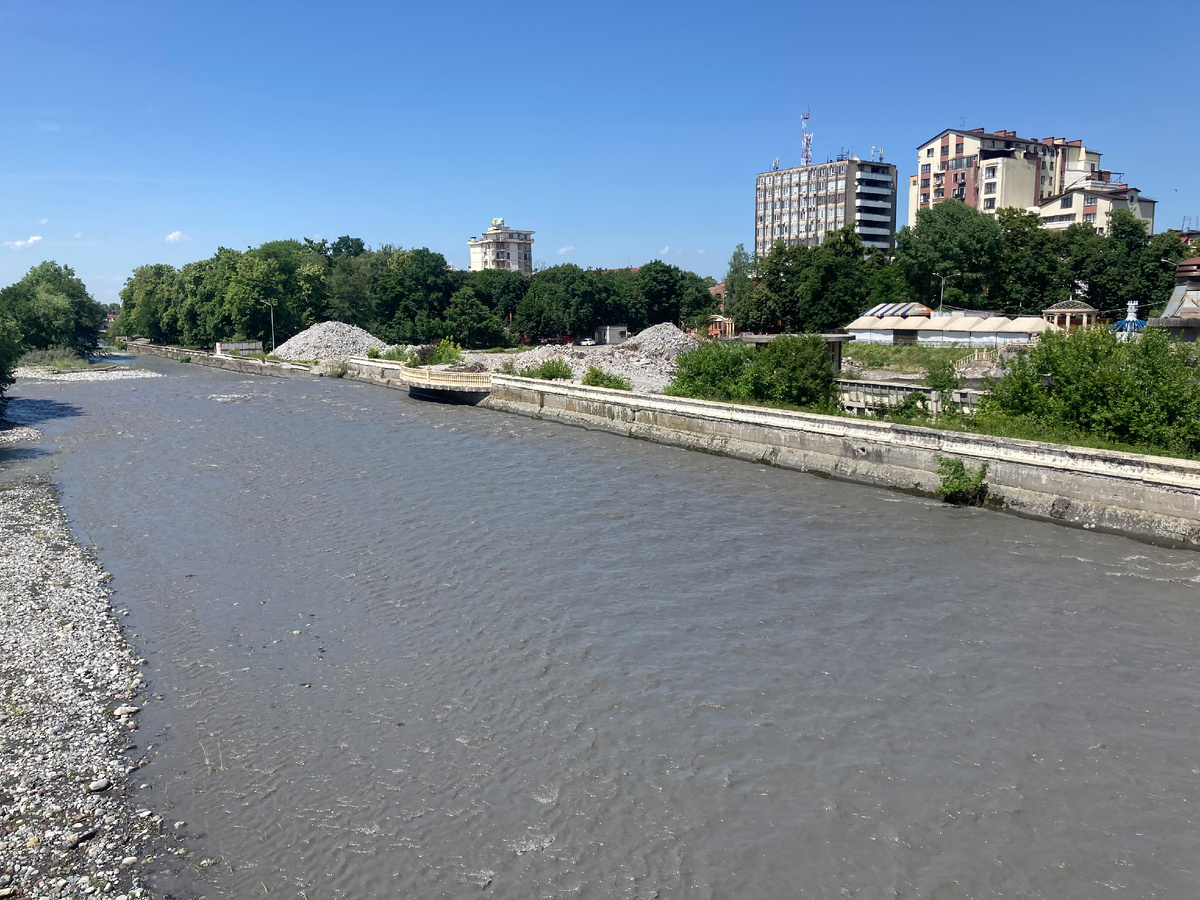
330	340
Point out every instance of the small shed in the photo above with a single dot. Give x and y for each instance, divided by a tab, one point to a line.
611	334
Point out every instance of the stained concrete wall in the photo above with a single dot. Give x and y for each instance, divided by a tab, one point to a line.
246	365
1150	498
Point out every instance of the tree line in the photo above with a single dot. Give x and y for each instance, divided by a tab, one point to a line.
1010	264
49	308
402	296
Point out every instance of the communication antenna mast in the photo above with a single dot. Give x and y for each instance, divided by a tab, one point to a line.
805	140
775	164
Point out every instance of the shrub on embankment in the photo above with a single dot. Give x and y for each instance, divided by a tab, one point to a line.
790	371
597	377
1143	394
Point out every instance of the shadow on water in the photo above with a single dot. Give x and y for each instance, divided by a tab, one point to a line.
30	411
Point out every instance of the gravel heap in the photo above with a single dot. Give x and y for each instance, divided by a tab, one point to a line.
330	340
42	373
68	683
647	359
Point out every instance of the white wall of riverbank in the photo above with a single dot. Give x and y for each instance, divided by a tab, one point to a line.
1150	498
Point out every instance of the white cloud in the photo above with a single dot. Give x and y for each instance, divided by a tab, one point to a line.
78	235
564	250
16	245
175	237
43	221
665	250
701	252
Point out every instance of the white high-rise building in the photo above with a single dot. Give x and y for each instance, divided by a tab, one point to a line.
800	205
502	247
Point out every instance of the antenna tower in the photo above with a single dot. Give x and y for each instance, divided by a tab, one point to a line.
805	140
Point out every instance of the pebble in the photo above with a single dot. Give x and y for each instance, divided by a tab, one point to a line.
647	358
65	664
330	340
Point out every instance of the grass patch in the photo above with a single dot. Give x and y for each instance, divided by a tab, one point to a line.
54	358
909	358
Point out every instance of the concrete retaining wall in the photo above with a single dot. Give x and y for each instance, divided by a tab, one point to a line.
246	365
1150	498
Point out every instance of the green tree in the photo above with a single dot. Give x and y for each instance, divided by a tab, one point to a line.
255	290
833	290
1030	273
413	295
543	311
10	352
953	240
738	276
470	322
52	308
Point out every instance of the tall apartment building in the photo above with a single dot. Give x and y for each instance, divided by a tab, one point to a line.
501	247
798	206
996	170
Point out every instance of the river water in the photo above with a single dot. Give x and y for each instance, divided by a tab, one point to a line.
404	649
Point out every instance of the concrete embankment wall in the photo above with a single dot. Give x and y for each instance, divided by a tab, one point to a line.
1150	498
246	365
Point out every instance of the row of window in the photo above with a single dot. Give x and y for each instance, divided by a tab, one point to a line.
801	177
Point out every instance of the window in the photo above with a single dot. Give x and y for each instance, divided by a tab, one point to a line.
925	198
939	193
989	171
1089	217
958	148
1090	199
924	182
925	168
989	187
1067	202
945	150
989	203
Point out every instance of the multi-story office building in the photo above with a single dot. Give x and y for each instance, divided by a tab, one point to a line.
996	170
502	248
800	205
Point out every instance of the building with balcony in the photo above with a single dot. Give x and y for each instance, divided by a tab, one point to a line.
801	205
996	170
1091	201
502	247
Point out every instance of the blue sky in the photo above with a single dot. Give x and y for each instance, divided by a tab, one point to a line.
136	132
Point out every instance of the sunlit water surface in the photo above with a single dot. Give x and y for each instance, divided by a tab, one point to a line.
403	649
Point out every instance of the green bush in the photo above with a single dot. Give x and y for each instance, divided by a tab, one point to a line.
712	371
597	377
372	353
961	483
795	370
901	357
551	370
397	354
185	358
1142	394
942	376
442	353
909	410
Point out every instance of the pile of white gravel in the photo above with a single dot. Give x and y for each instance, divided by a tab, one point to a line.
330	340
647	359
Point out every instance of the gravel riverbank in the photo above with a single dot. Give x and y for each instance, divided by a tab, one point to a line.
68	710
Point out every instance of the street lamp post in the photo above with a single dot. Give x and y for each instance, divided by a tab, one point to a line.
942	293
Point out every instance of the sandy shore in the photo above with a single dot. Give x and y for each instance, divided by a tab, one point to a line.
69	684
